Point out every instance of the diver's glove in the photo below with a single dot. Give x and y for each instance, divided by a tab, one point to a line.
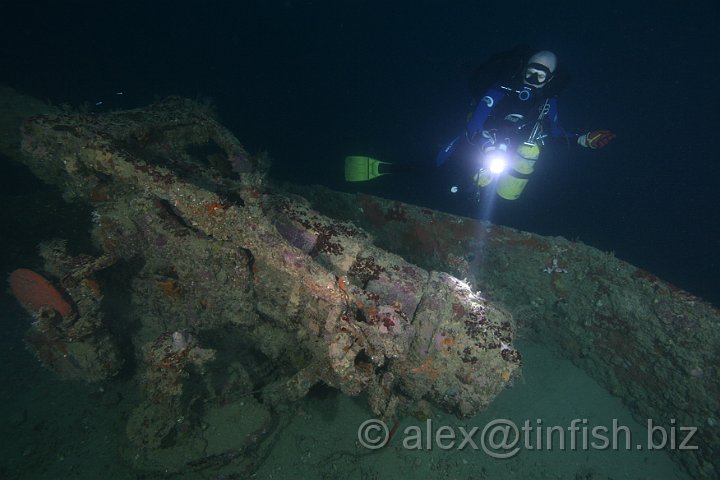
596	138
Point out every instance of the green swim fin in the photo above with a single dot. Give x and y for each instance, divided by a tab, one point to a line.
361	169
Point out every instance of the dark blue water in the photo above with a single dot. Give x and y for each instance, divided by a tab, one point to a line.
311	82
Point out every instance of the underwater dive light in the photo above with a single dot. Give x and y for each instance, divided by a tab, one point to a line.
496	159
497	164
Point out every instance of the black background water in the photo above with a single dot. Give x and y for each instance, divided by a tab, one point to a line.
313	81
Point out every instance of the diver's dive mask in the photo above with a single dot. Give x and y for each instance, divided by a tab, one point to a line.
536	75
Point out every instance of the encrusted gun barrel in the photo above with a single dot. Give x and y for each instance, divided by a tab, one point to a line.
210	253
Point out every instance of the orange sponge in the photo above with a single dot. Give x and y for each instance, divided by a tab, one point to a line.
34	291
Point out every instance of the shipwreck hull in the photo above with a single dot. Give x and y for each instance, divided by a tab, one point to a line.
651	344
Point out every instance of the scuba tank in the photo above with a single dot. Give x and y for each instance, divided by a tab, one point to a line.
512	179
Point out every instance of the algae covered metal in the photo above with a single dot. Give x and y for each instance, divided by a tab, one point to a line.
224	297
651	344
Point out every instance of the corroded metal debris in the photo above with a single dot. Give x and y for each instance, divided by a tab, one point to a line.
233	288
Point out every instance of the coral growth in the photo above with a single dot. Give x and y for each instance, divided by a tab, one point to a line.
168	361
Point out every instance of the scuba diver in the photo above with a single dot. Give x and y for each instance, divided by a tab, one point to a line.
513	117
